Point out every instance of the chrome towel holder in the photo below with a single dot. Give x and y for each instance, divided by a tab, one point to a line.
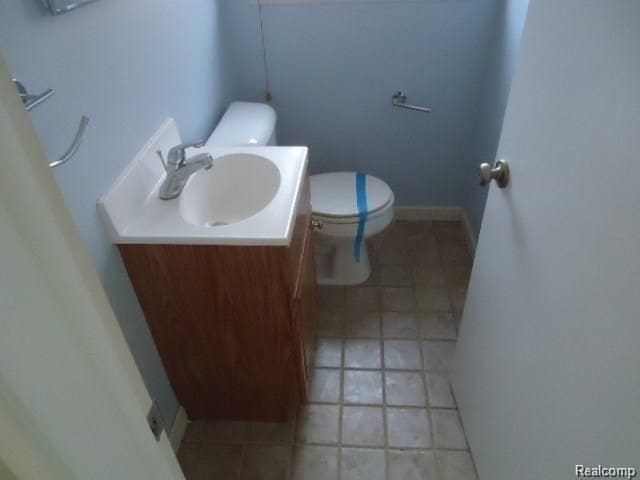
31	101
399	99
75	145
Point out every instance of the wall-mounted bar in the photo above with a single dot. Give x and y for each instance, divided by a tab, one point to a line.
29	100
399	99
71	151
56	7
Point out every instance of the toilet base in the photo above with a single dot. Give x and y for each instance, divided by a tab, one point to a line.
336	263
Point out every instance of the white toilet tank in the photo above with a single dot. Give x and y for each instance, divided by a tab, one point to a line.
245	124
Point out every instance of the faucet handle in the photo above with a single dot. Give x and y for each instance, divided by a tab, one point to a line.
177	155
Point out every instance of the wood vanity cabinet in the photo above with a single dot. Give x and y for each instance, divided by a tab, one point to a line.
234	325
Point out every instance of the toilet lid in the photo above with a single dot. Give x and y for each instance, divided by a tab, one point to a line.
334	194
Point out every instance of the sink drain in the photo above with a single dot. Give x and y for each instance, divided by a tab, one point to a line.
216	224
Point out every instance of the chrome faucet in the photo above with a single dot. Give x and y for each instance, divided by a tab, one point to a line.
179	169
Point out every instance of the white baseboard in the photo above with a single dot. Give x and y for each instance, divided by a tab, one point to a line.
178	428
468	230
443	214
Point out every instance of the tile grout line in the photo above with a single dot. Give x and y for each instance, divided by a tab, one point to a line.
343	362
435	455
376	405
427	401
292	443
243	458
385	416
334	445
381	448
365	337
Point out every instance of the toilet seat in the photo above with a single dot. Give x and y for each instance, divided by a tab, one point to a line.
334	197
352	220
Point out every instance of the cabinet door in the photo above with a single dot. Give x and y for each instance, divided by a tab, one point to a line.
300	235
304	309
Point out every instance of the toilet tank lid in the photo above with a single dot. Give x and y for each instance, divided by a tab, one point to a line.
244	123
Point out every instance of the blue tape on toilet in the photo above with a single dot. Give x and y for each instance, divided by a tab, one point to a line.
363	210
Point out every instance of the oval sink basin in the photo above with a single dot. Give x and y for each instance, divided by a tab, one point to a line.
237	187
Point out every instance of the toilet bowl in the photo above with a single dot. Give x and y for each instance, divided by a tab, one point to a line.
350	206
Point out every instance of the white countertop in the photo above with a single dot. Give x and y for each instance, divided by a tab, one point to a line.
134	214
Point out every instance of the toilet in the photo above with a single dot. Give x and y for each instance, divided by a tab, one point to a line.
348	207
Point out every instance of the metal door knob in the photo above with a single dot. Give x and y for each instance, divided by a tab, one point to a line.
499	173
317	224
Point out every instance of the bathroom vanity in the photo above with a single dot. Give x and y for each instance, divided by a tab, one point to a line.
233	324
229	293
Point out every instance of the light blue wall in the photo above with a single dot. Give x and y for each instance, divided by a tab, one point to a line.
242	30
501	62
128	65
332	69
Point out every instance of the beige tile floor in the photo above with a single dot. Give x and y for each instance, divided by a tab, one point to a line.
381	405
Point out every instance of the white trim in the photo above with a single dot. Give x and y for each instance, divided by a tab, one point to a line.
446	214
178	429
443	214
468	231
